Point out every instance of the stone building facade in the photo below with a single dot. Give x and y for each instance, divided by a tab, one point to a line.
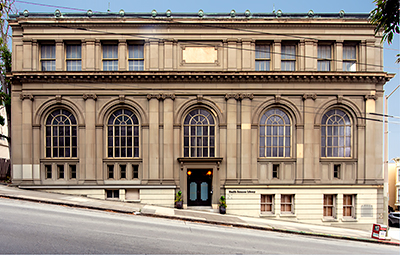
269	110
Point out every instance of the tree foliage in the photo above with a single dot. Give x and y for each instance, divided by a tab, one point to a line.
7	7
386	17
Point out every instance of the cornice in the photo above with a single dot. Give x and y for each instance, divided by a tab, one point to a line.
199	77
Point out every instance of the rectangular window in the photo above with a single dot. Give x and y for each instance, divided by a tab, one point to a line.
336	171
48	57
349	206
398	195
288	58
398	176
330	206
136	57
110	57
74	57
135	171
123	171
112	193
349	58
263	57
72	171
275	171
60	170
324	57
48	171
110	171
287	203
267	203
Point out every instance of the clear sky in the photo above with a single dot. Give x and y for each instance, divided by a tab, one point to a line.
265	6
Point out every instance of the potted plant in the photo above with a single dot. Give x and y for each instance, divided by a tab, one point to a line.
222	205
178	200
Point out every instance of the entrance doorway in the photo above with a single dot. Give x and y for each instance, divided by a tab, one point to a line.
199	187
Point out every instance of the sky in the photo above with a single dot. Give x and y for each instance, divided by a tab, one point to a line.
264	6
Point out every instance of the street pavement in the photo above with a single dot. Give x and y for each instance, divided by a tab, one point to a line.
197	216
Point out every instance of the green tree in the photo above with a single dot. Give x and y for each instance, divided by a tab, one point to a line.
7	7
386	17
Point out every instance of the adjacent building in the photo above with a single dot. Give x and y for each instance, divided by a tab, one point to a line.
270	110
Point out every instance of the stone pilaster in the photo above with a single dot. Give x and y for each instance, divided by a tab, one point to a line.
90	138
27	139
311	141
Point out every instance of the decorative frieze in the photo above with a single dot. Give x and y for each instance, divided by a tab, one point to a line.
89	96
239	96
26	96
161	96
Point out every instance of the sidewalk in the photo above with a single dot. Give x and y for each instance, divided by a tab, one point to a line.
197	216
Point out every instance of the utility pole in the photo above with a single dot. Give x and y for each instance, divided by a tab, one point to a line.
386	162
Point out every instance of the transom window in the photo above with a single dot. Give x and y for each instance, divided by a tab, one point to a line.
48	57
136	57
110	57
74	57
123	134
275	134
263	57
61	135
199	134
335	134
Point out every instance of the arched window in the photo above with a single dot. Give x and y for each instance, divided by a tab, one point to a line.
123	134
335	134
275	130
61	135
199	134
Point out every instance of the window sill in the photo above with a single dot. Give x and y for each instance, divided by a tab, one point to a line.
287	215
349	220
267	214
329	219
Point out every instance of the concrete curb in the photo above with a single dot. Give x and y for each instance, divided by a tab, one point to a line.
184	218
289	231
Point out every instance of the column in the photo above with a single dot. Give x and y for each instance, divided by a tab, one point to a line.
98	57
248	57
310	55
36	153
168	56
90	52
90	138
362	56
168	145
231	140
311	141
339	56
35	56
122	55
27	139
153	140
301	58
27	56
370	56
60	55
153	51
276	57
246	175
232	55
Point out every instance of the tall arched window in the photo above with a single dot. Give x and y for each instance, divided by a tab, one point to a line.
123	134
335	134
199	134
61	135
275	130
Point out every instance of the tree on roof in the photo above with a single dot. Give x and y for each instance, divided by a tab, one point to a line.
386	17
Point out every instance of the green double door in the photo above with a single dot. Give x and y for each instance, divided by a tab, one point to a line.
199	187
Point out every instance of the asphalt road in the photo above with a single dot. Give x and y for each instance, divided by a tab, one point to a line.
27	227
